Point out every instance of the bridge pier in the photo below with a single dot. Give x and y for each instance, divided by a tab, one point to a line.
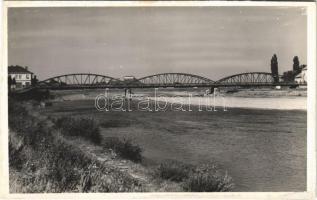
212	89
127	92
128	97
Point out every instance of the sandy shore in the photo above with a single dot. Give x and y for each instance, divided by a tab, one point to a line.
252	93
285	99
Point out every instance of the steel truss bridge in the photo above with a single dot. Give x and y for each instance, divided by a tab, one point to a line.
164	80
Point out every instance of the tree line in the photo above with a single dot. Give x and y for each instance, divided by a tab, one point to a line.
288	76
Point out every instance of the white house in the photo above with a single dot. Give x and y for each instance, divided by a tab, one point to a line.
21	75
302	76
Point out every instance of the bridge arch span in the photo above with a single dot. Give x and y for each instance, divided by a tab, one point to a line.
256	78
174	79
78	80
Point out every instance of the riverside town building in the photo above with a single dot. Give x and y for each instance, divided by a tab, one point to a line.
21	77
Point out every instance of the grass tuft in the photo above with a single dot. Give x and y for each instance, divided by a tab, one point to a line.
83	127
124	148
200	178
208	178
174	170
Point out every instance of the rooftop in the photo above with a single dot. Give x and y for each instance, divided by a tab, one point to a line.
18	69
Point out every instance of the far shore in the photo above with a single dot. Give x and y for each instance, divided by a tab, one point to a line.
250	92
283	99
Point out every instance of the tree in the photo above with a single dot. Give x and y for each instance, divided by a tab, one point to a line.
34	80
288	76
296	64
274	68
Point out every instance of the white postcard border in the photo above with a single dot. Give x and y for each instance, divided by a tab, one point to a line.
311	104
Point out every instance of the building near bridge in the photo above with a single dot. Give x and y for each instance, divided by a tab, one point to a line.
298	75
301	78
20	77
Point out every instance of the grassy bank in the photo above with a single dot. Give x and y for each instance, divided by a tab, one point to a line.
42	160
46	155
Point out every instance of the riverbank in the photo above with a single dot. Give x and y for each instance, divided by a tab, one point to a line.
70	95
261	149
284	99
45	158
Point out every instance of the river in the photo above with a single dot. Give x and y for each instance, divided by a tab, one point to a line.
260	142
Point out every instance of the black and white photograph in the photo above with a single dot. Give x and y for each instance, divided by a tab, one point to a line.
156	99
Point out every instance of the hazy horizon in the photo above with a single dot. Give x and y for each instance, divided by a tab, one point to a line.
213	42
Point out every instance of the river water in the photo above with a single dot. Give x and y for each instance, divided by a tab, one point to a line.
260	142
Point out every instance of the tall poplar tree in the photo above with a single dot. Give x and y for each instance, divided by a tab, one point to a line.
274	68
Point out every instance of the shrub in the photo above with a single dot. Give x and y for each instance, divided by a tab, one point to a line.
15	158
208	178
17	115
33	131
125	148
63	165
36	133
174	170
84	127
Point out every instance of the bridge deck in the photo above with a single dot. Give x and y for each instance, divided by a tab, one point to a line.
164	80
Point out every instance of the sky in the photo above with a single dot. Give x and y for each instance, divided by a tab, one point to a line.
213	42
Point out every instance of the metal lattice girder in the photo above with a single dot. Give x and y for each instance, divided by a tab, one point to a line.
172	79
88	80
248	78
79	79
